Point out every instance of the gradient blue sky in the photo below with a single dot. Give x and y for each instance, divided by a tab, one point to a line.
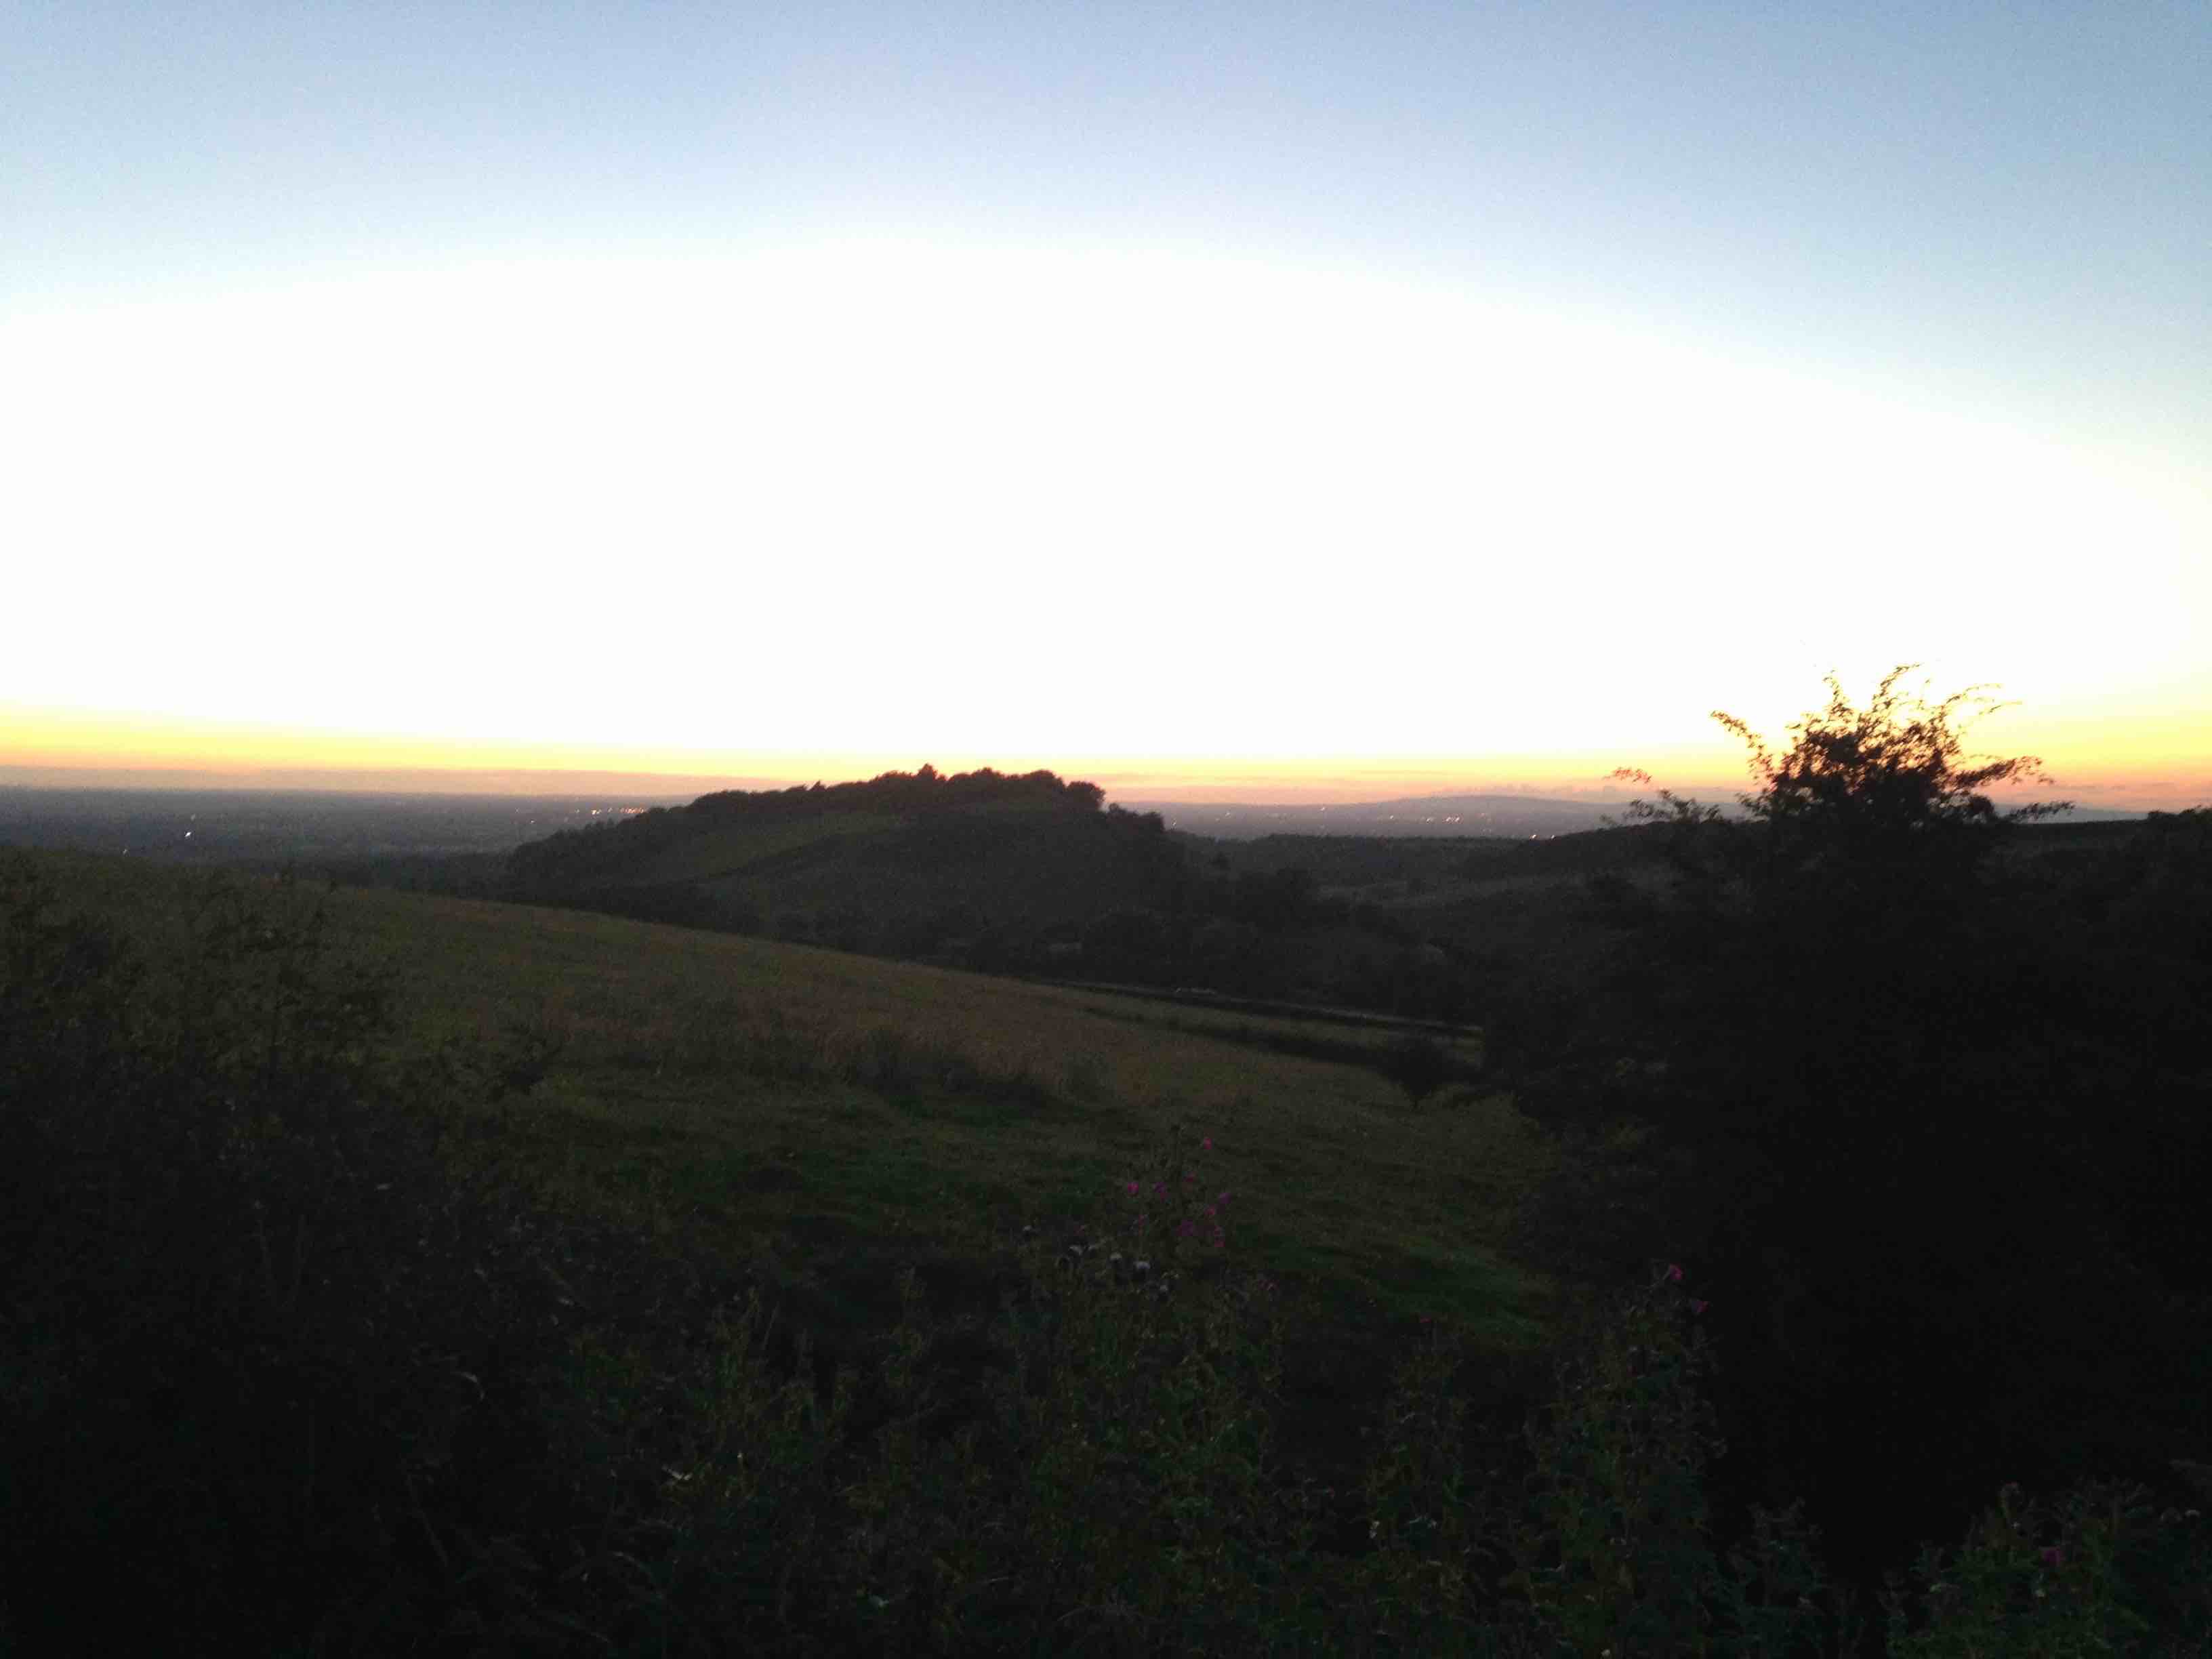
1735	275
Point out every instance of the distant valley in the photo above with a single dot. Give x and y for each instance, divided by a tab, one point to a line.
260	826
1420	814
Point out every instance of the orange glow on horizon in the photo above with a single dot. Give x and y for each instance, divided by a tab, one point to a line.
2158	761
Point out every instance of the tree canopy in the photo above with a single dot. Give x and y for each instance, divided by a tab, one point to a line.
1885	793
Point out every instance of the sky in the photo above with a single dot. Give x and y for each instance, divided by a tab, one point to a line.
1289	401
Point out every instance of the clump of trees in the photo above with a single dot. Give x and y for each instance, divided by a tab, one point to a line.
925	789
572	859
1929	1114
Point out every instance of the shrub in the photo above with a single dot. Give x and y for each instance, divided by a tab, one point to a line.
2099	1569
1418	1064
253	1294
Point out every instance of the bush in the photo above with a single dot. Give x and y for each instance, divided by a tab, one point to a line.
1418	1064
1616	1547
2101	1570
252	1295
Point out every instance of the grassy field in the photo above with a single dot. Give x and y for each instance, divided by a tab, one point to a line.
827	1119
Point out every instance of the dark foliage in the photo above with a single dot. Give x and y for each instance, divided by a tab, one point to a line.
1931	1116
271	1323
1421	1065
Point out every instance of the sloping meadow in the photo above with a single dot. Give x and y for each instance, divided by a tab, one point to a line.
815	1108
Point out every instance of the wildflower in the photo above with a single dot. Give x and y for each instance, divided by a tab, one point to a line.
2054	1557
1207	1143
1673	1273
1698	1307
1133	1189
1189	1229
1223	1199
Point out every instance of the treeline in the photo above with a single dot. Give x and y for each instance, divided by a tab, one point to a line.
1132	905
1274	934
920	790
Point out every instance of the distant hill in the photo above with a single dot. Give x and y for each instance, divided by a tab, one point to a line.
1029	874
984	867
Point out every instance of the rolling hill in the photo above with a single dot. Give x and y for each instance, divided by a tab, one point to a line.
901	865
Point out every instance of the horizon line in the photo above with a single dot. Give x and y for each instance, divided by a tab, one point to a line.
547	782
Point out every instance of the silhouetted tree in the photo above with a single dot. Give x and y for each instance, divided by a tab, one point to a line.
1418	1064
1902	1102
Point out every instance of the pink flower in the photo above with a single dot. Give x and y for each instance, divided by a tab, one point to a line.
1159	1186
1698	1307
2054	1557
1133	1189
1674	1274
1207	1143
1223	1199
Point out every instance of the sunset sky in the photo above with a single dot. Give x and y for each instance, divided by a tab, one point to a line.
1285	400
